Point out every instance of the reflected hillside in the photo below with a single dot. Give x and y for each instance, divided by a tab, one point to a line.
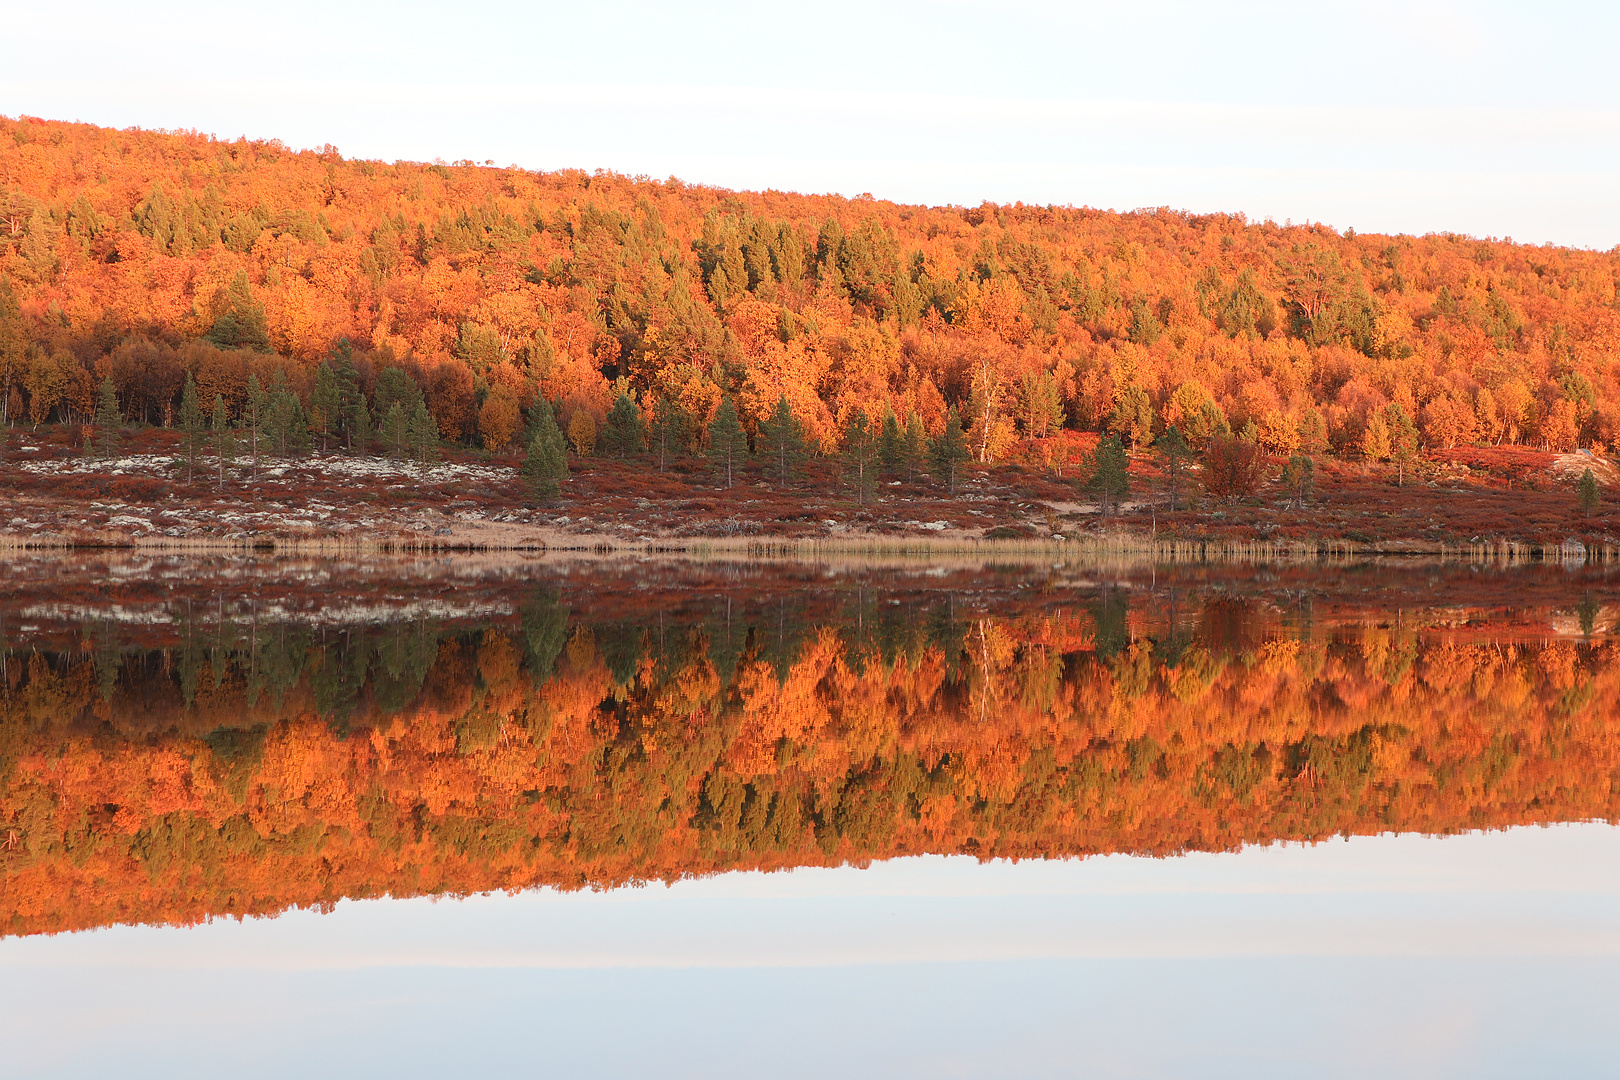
229	741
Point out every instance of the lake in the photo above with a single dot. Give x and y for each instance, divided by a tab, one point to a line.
282	816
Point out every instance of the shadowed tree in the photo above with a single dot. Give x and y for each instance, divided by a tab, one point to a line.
949	451
224	438
192	426
109	421
860	454
728	443
891	444
781	438
915	448
394	430
622	431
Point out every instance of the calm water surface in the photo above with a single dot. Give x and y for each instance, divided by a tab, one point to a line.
269	818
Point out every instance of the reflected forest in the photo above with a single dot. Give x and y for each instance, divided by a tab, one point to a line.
241	742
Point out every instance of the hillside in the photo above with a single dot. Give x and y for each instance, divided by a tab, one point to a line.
141	259
120	247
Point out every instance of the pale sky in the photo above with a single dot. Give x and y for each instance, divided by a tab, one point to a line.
1499	119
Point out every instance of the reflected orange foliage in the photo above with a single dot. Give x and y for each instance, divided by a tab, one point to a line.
204	769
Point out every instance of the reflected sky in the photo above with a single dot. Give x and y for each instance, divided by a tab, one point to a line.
1479	955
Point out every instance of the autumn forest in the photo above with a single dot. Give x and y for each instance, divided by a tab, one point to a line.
146	259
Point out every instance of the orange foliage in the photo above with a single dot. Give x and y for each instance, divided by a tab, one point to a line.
570	281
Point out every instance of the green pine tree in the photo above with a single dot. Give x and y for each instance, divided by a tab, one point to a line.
192	426
728	443
915	448
109	421
242	323
253	416
360	426
393	430
622	431
286	427
891	447
224	438
546	464
422	433
667	430
326	404
781	442
13	347
1587	493
1403	440
1175	450
861	456
1108	478
949	451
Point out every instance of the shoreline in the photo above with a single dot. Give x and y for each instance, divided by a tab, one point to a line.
470	539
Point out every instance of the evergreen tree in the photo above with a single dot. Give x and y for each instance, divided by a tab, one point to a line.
423	435
916	446
949	451
13	347
191	426
546	464
109	421
325	404
891	447
224	439
781	439
667	430
1587	492
1403	440
1174	448
360	426
728	443
861	456
1299	479
253	416
1108	478
395	387
622	431
286	425
393	431
242	323
351	419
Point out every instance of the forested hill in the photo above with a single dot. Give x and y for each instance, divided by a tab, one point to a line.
145	255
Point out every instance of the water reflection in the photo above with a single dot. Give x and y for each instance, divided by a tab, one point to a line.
182	741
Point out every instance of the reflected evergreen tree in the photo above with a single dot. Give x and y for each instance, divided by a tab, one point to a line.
545	632
728	637
1109	611
779	637
949	635
622	646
